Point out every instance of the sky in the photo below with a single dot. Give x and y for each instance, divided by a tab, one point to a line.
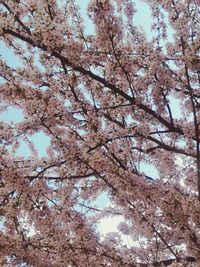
143	21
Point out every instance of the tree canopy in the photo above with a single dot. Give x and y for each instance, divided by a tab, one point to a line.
106	101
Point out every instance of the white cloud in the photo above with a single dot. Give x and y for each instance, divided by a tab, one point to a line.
110	225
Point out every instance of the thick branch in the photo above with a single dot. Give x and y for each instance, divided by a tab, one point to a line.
101	80
167	262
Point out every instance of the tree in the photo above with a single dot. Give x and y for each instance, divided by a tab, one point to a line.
105	100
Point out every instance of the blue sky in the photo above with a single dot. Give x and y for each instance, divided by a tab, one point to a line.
143	21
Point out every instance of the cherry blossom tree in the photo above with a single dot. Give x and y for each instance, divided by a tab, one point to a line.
105	100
